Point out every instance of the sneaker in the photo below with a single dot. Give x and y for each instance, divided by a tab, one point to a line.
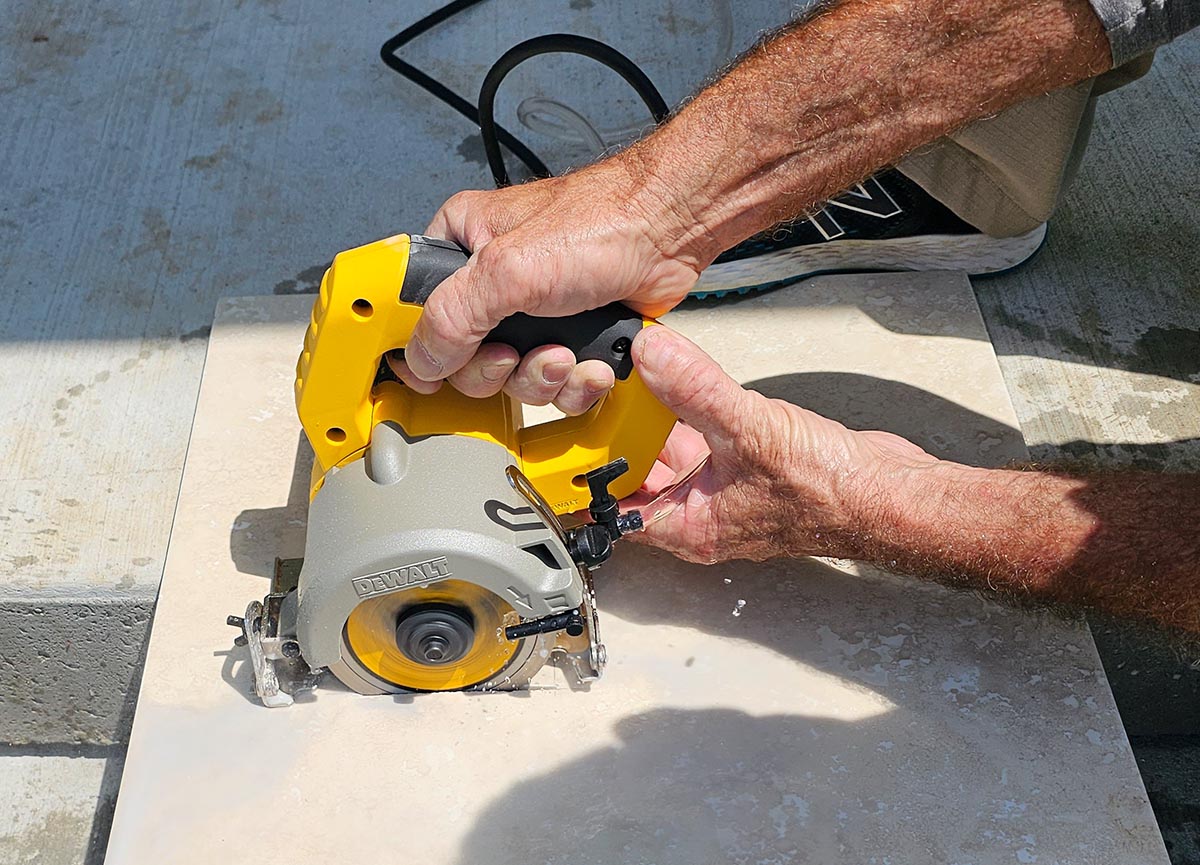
887	222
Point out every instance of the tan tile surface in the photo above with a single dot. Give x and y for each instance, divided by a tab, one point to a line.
843	716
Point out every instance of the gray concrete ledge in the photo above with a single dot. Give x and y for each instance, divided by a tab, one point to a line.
71	665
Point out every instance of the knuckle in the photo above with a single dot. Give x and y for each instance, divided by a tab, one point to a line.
524	393
568	404
473	385
497	259
463	200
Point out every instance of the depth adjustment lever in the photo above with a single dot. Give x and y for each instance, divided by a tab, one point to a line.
591	545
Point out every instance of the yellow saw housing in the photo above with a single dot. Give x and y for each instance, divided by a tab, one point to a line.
350	406
359	316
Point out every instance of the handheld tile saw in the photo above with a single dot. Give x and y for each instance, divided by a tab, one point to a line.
441	552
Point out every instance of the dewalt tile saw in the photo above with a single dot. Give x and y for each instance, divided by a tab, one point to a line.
441	554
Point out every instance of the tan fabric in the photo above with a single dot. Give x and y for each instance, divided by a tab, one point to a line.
1005	175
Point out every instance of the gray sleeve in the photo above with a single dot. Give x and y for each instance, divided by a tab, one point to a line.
1137	26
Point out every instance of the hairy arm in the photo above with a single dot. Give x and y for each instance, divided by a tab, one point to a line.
783	481
854	88
1123	542
812	110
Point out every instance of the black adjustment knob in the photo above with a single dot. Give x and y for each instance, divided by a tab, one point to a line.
603	507
592	544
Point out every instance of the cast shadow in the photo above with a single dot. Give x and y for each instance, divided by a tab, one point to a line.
924	778
259	535
904	760
863	402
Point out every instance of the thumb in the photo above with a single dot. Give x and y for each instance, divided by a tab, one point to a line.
689	382
450	328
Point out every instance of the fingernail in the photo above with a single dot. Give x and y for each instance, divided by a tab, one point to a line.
596	386
425	362
556	373
648	344
497	371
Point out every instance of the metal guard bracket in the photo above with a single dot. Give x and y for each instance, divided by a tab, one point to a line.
279	671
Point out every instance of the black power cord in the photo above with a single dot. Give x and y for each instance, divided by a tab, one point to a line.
482	115
556	43
430	84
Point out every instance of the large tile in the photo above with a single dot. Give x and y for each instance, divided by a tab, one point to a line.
838	714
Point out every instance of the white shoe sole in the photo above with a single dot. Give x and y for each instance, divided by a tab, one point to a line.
976	254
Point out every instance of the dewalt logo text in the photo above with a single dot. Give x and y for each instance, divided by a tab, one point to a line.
402	577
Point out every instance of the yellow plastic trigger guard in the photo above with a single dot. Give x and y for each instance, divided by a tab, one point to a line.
358	316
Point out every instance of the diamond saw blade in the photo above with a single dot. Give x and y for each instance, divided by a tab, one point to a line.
444	637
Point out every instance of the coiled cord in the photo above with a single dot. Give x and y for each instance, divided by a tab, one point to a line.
558	43
570	122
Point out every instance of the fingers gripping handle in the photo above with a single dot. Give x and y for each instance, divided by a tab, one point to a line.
629	423
369	303
604	334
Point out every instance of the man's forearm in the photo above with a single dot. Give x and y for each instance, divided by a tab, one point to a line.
1124	543
854	88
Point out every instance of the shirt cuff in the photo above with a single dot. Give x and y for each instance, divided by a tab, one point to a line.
1135	27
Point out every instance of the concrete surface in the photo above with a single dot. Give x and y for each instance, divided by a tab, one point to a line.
159	156
802	711
205	149
1099	337
56	803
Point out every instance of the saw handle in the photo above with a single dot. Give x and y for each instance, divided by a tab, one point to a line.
369	303
604	334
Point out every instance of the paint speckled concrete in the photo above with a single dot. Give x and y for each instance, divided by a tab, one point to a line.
804	711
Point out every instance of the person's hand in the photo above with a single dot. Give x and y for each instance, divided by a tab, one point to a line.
552	247
780	480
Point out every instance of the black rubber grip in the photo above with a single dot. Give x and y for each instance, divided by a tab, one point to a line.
429	262
597	334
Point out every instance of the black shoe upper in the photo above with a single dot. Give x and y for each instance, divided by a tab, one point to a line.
885	206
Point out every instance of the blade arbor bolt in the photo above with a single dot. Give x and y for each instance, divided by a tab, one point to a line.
435	634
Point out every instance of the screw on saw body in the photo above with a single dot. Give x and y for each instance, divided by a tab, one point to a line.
570	621
591	545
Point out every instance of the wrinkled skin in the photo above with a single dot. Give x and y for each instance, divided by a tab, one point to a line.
780	480
560	246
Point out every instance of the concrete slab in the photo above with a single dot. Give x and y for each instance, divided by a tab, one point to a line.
55	804
838	715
